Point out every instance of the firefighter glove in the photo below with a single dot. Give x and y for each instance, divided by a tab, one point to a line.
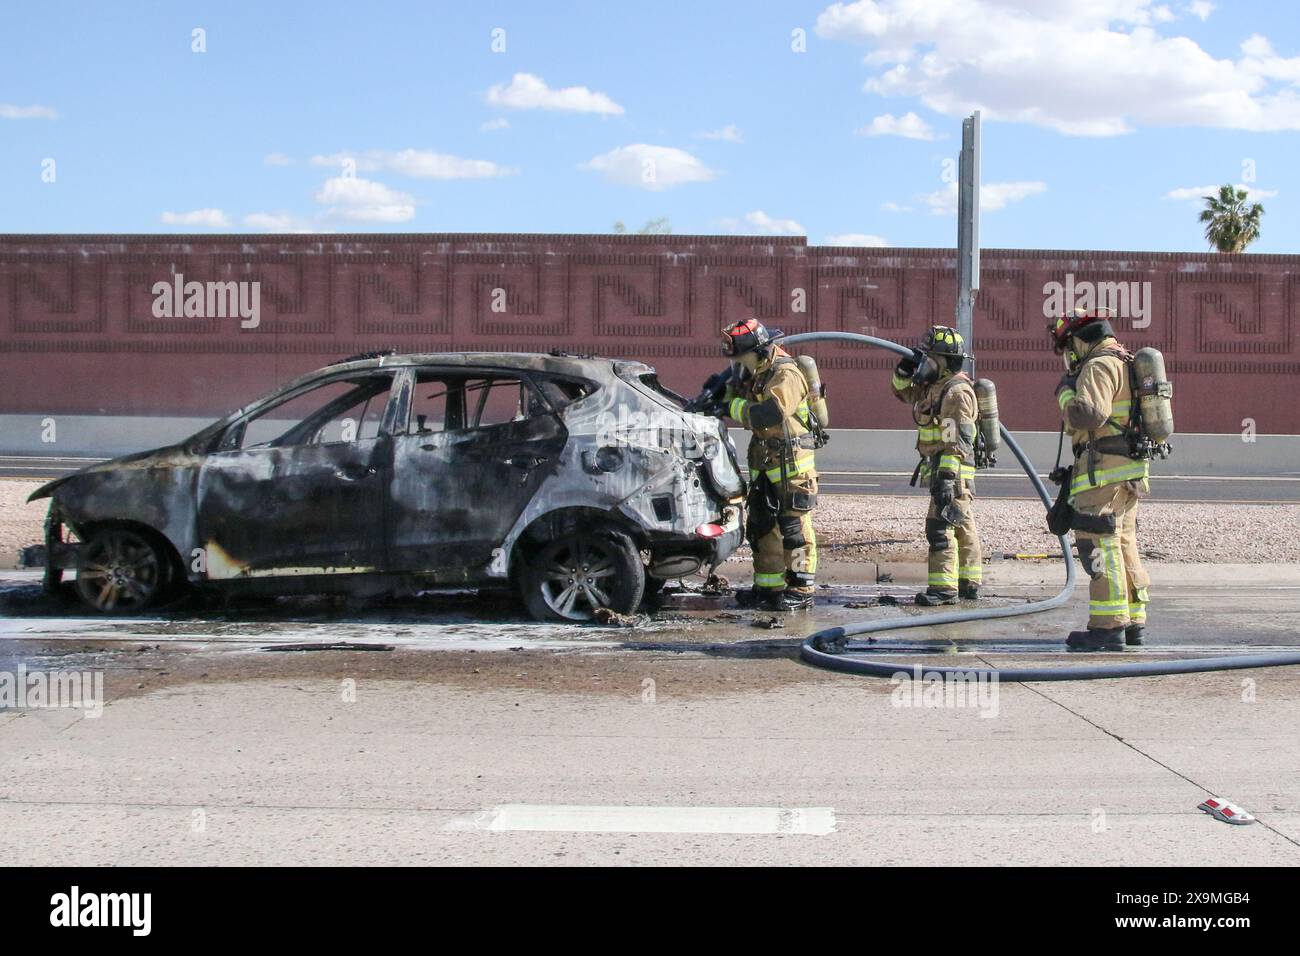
943	491
907	364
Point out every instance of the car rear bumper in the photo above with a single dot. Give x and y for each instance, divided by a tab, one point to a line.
679	556
724	546
730	539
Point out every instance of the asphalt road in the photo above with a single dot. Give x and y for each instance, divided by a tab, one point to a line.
989	484
475	737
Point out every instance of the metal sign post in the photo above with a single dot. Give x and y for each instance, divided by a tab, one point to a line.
968	230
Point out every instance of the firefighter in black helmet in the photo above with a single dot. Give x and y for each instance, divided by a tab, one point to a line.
1106	482
932	379
769	395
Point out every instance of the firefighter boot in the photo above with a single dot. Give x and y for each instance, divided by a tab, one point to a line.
798	593
796	600
934	598
1134	636
968	591
1097	639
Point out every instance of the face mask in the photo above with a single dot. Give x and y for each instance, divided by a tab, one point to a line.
927	372
745	365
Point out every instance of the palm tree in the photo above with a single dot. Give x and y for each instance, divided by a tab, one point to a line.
654	227
1231	223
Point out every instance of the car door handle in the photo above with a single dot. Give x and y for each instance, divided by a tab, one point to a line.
353	472
524	462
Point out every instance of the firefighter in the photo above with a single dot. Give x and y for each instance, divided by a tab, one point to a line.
769	395
945	410
1095	397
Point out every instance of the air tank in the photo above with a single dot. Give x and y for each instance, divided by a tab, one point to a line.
986	395
1154	395
816	390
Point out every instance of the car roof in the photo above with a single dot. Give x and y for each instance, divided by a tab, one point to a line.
562	363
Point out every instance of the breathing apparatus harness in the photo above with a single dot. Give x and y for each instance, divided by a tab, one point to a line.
1133	442
751	335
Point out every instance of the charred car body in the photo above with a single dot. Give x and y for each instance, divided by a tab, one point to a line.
580	481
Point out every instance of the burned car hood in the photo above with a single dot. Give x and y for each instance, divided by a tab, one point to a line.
155	456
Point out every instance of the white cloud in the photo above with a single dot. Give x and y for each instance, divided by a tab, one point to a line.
1082	67
908	126
728	134
856	239
1200	192
495	124
1263	62
364	200
895	207
277	222
649	167
425	164
528	92
9	111
417	163
993	196
760	223
1201	9
206	218
277	159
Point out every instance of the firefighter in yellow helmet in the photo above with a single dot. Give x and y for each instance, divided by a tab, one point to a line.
1106	484
769	395
946	413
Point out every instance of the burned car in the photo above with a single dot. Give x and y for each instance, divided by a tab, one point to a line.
581	482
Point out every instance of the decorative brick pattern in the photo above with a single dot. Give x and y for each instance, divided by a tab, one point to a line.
79	333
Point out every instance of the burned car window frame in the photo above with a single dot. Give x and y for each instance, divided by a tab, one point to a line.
649	382
404	393
235	431
552	389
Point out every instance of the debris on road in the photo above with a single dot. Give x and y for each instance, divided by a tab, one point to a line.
611	618
1221	809
335	646
716	584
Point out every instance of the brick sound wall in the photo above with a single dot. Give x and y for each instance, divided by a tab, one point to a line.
79	336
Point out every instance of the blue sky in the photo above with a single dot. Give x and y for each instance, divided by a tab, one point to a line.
402	117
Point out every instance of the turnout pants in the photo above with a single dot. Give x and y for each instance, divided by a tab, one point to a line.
955	552
1117	593
780	532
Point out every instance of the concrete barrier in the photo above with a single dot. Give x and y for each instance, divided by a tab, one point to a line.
1226	456
877	450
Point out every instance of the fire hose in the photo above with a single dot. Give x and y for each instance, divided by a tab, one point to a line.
830	647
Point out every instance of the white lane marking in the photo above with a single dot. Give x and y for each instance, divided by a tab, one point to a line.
813	821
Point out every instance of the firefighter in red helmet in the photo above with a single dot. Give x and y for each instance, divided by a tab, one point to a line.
770	396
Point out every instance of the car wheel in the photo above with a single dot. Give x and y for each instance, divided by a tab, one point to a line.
121	571
572	577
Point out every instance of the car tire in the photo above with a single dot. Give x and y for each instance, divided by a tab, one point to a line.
121	571
556	588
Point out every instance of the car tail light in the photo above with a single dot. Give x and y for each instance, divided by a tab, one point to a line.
710	531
